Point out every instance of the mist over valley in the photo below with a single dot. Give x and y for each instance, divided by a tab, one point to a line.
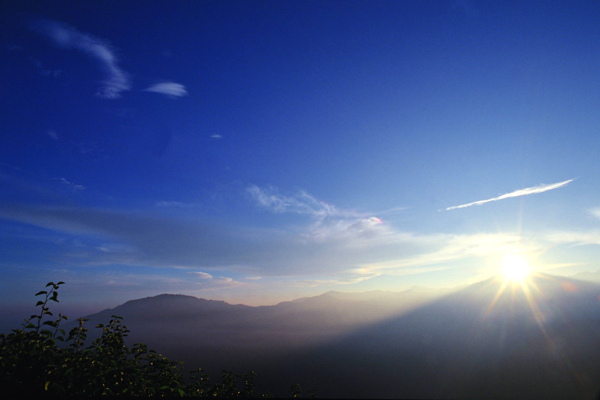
538	338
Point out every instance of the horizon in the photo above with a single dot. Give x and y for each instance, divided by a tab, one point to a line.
14	319
62	307
447	290
513	335
256	152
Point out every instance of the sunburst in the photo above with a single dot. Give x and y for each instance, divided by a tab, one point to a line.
515	267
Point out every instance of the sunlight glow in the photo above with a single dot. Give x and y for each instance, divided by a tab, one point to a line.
515	267
521	283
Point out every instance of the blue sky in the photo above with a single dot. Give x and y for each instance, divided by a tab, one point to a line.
259	151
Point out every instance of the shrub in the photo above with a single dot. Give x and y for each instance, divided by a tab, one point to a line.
33	363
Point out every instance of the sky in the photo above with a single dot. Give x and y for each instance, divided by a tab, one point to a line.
261	151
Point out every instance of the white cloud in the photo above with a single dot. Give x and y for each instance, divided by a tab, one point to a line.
203	275
573	237
169	88
68	37
517	193
355	232
595	212
299	203
442	251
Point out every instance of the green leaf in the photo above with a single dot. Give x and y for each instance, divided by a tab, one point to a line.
42	292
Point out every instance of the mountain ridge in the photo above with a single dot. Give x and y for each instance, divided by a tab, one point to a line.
537	339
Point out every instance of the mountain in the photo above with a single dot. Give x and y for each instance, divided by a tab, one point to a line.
489	340
592	276
215	335
485	341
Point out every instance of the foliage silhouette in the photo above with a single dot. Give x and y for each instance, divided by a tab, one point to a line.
33	363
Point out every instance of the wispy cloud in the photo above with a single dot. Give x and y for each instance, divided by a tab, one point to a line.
329	251
330	225
202	275
68	37
333	247
299	203
517	193
73	186
171	89
45	71
595	212
578	238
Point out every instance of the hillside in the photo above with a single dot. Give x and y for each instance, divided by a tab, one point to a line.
481	341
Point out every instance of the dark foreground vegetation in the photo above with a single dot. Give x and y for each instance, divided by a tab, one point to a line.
42	359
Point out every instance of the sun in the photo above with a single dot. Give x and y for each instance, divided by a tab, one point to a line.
515	267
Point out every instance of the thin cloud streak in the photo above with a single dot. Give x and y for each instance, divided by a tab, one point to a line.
75	187
67	37
517	193
171	89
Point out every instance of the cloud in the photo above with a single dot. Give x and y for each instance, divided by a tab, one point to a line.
160	241
203	275
299	203
343	248
517	193
573	237
355	232
595	212
44	71
216	136
75	187
446	251
68	37
171	89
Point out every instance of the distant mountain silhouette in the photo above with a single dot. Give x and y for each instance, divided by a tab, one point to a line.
480	342
593	276
487	340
